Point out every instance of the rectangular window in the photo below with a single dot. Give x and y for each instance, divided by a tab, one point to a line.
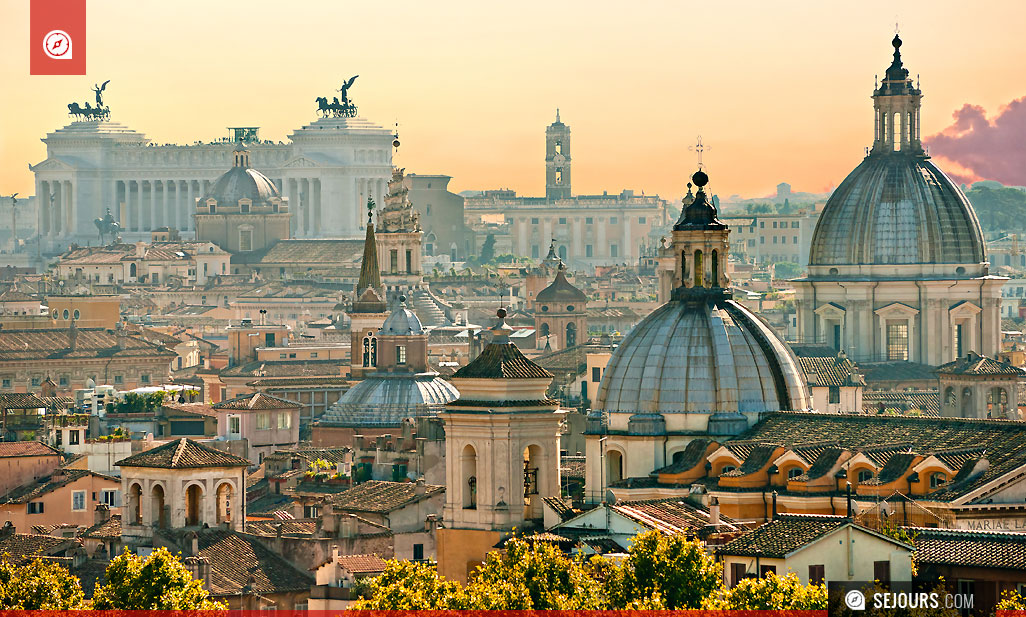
63	381
234	425
614	250
7	384
118	380
73	438
534	220
774	239
109	497
418	551
738	572
283	355
35	507
835	394
764	570
958	341
588	220
612	220
817	574
263	421
144	379
400	354
762	239
596	374
897	341
393	261
794	239
284	420
642	220
36	381
78	501
409	261
562	220
587	250
774	224
313	354
534	251
762	224
882	571
245	240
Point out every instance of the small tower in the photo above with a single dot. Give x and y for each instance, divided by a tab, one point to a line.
896	103
399	238
369	308
560	314
557	160
502	452
700	243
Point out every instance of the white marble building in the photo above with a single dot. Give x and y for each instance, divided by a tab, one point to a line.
327	169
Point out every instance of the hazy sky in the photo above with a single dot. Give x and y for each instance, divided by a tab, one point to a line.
779	90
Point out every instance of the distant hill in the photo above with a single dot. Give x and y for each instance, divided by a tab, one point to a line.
999	208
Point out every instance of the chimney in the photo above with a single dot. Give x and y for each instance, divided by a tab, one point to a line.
101	514
122	335
774	504
714	511
431	523
358	442
419	488
328	519
347	526
334	553
140	249
847	494
73	335
193	539
199	567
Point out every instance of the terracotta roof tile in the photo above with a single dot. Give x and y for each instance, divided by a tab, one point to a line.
969	549
782	536
108	529
256	401
502	361
60	477
26	448
975	364
24	547
380	496
362	564
235	559
183	454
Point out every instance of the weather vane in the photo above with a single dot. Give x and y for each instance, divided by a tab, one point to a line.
698	148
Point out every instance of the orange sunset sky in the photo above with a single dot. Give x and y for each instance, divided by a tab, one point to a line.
779	90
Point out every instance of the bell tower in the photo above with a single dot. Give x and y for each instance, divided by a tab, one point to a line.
557	160
896	105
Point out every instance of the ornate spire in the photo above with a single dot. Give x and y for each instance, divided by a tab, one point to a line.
700	213
897	104
370	273
240	155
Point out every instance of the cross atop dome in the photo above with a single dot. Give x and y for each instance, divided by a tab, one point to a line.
897	104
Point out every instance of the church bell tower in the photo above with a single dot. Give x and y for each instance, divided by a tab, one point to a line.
557	160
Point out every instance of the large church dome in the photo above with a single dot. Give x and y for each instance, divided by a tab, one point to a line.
700	362
242	182
897	208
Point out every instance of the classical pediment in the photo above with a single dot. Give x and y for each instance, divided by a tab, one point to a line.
964	309
830	310
51	164
897	309
299	162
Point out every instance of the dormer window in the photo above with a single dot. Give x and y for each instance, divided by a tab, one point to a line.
244	206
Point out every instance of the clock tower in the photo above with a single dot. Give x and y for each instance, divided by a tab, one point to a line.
557	160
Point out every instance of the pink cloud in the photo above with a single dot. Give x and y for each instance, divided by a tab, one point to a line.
982	149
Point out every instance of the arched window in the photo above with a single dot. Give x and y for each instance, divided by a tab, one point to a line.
938	479
132	269
366	351
896	132
949	397
699	281
544	329
373	351
727	469
562	253
715	263
865	475
614	467
571	335
683	267
794	472
468	464
193	505
224	503
157	507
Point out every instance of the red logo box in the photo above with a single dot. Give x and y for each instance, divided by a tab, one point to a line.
57	37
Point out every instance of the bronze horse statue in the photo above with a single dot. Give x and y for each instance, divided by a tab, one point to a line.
88	112
335	109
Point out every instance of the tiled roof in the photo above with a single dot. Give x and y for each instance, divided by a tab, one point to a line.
926	400
108	529
235	559
561	290
285	382
757	458
61	477
380	496
183	454
560	507
882	436
90	343
256	401
332	455
571	466
963	548
269	529
669	516
362	564
287	368
13	295
26	448
20	400
832	371
888	372
975	364
24	547
782	536
314	252
692	455
502	361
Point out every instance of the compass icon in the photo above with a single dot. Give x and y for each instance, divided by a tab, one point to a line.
57	45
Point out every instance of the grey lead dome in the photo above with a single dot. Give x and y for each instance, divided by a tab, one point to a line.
897	209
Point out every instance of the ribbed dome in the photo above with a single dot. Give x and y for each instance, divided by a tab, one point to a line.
386	400
561	290
402	321
897	208
714	357
243	183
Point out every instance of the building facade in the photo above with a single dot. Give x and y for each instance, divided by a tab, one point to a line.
327	169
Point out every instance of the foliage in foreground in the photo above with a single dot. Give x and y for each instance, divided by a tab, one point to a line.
39	585
659	572
158	582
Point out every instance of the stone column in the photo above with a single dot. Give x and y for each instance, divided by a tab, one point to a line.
318	208
627	241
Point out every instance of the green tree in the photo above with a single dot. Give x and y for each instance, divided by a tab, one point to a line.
407	585
533	576
158	582
39	585
787	270
672	571
487	250
770	593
